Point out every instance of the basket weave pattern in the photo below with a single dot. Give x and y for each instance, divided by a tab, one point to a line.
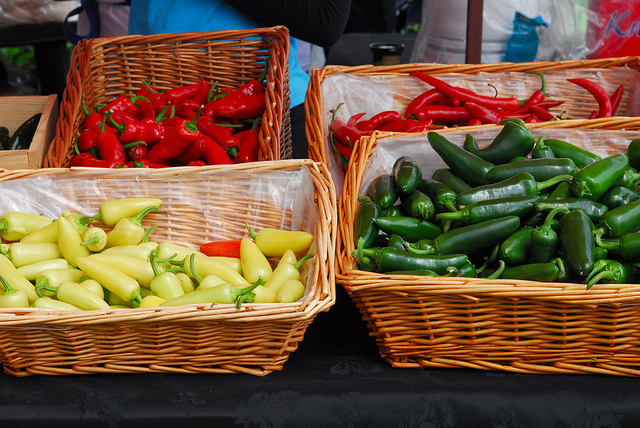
255	339
104	68
508	325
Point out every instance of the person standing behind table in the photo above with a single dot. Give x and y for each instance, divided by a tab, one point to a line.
320	22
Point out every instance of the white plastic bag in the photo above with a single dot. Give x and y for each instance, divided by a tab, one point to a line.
17	12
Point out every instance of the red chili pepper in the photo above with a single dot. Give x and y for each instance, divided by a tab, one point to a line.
245	107
593	115
615	99
193	152
380	119
197	162
345	134
353	120
546	104
79	158
487	115
429	97
146	109
442	114
249	144
122	103
137	152
111	150
94	121
214	154
87	138
542	114
537	96
532	119
404	125
189	104
452	102
184	92
177	140
147	130
474	121
601	96
466	95
121	116
92	161
142	163
221	248
252	87
209	109
203	92
223	135
343	150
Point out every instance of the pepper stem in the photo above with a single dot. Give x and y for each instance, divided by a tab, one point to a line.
605	274
553	181
498	272
246	295
137	219
300	262
602	244
5	284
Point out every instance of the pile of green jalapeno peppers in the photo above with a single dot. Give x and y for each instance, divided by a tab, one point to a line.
544	210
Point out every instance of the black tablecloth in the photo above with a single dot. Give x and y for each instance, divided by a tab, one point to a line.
335	378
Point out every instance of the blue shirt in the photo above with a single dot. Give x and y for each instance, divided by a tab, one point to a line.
179	16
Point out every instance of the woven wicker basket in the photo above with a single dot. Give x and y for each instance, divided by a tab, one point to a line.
103	68
199	205
508	325
373	89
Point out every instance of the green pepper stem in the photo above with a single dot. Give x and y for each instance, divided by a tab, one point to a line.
300	262
137	219
606	274
502	266
553	181
246	295
5	284
145	238
93	240
252	233
192	268
600	243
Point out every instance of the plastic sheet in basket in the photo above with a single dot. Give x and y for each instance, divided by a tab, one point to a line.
199	205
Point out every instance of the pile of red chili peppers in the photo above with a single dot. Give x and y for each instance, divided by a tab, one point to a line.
190	125
448	105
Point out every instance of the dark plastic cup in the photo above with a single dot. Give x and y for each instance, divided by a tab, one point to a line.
386	53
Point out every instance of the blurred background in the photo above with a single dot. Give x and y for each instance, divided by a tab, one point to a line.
38	36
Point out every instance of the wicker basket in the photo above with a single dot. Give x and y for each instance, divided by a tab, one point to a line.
373	89
508	325
103	68
199	205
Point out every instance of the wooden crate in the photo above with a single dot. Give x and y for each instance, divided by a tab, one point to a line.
14	111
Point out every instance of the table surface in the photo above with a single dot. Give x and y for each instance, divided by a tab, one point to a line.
335	378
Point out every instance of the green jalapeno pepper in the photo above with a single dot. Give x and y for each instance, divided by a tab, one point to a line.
611	272
409	228
382	190
513	140
446	176
393	211
407	174
627	247
618	196
478	212
522	184
544	240
594	209
515	248
542	272
633	153
418	204
622	220
561	191
391	259
396	241
563	149
540	169
542	150
595	179
475	237
365	230
576	242
471	168
442	196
